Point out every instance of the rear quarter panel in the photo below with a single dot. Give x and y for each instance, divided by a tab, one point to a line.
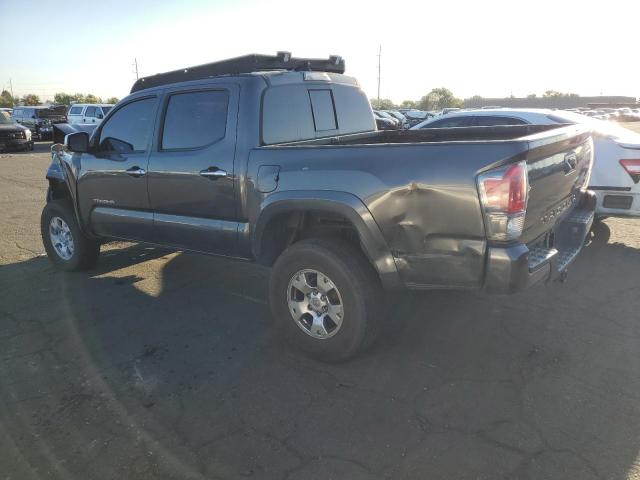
423	198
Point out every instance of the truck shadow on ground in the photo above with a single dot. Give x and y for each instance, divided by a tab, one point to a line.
166	364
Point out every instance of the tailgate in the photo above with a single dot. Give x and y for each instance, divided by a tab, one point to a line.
558	164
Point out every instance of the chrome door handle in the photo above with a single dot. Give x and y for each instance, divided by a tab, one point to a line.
136	172
213	173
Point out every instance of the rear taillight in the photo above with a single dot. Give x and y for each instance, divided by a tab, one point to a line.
632	167
504	192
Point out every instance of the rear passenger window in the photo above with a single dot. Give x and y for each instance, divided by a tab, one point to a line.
448	123
491	121
75	111
323	108
91	112
195	119
129	128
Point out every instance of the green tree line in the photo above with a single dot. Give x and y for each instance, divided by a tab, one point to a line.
439	98
8	101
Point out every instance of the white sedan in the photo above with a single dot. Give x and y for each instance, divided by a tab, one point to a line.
616	171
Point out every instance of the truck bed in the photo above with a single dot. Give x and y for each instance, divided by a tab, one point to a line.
420	187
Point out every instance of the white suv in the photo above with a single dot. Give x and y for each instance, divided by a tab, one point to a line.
88	113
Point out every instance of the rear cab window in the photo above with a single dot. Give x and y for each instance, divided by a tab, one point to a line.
297	112
75	111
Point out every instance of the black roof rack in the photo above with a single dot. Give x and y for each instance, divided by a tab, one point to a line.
244	64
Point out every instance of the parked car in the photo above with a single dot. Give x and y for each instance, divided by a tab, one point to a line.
88	112
626	115
13	135
39	119
395	124
384	122
404	123
286	168
616	172
416	116
7	110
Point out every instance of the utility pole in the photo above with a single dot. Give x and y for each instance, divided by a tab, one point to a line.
379	56
11	88
135	64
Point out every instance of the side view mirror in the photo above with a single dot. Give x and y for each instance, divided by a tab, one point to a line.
100	116
33	116
77	142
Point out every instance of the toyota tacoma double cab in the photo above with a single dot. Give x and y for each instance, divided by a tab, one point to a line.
277	160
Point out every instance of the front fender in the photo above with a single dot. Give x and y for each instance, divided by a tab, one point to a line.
342	203
62	169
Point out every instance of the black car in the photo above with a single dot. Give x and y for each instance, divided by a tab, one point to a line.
40	119
13	135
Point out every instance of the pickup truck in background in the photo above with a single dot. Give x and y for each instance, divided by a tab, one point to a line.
277	160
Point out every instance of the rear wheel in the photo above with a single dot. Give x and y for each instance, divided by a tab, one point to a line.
66	246
326	298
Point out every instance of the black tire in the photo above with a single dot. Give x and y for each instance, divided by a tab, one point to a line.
359	287
85	250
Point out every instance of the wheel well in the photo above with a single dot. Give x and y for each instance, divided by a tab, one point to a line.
58	190
290	227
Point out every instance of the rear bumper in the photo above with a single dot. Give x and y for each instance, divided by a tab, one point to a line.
515	268
618	203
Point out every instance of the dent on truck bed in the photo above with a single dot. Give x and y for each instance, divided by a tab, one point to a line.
425	256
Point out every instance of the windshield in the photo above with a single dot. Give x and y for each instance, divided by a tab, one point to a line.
5	118
602	127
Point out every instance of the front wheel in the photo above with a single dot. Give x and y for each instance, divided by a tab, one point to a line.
66	246
326	298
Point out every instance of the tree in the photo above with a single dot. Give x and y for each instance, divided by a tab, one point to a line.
382	104
476	98
112	100
439	98
90	98
63	98
532	95
31	99
408	104
6	100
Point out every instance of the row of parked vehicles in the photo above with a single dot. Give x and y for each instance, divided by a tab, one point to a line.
21	125
624	114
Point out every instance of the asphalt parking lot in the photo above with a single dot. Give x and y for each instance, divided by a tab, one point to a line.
160	364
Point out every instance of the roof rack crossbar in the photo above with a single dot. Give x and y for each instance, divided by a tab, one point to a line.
244	64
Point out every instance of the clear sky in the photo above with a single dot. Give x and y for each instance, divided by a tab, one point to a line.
483	47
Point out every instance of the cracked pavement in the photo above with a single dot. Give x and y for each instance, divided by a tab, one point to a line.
159	364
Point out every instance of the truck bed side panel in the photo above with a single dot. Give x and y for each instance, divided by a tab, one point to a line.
423	197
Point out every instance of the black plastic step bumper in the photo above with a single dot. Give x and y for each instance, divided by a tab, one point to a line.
514	268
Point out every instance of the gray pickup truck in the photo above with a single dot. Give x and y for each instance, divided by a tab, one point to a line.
277	160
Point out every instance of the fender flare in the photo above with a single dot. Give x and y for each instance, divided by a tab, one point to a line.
61	171
346	204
